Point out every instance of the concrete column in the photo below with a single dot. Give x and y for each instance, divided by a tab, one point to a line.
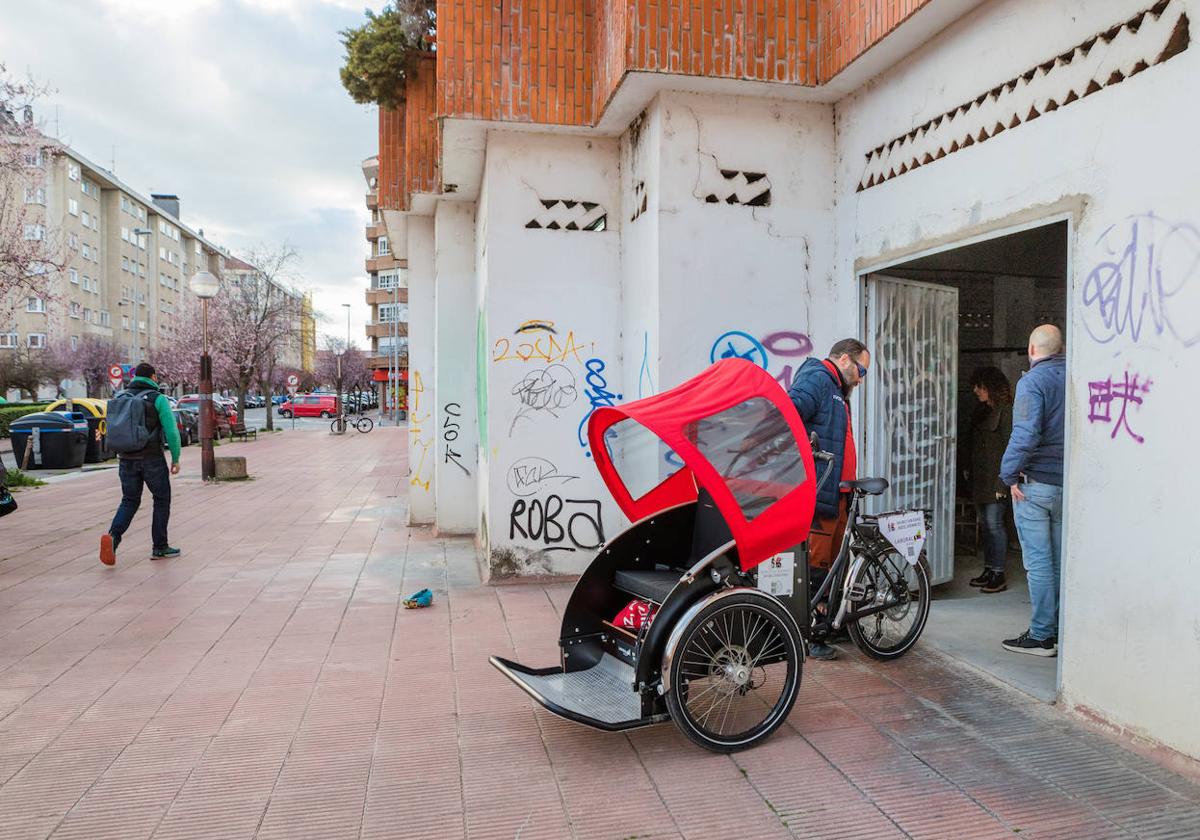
457	437
422	398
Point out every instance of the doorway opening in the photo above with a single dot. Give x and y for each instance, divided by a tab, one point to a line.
932	322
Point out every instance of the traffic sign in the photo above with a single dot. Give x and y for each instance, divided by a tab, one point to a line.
115	376
293	380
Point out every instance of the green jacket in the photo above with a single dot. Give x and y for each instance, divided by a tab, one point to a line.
166	417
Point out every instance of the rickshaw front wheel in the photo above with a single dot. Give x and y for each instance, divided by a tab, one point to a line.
735	671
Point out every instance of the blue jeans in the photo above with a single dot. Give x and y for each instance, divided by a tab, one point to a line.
1039	525
995	535
152	472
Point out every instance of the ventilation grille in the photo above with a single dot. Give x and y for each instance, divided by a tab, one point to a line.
569	214
734	187
1148	38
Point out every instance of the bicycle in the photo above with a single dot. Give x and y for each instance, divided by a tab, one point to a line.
362	424
878	595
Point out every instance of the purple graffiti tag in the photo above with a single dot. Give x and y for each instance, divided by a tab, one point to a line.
1102	395
790	345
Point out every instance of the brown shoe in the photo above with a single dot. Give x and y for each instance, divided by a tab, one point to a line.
108	554
996	584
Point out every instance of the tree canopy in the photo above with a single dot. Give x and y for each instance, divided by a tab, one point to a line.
380	53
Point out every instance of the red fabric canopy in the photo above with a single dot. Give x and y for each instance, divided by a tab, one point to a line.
682	416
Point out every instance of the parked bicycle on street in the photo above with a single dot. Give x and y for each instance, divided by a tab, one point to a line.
363	424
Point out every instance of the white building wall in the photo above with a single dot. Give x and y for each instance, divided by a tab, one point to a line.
552	303
1122	164
422	396
457	438
736	277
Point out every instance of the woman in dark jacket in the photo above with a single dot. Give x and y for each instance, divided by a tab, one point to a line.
990	433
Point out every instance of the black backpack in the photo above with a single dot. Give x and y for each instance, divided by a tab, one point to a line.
128	429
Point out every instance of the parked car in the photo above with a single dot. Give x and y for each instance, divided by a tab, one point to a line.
222	424
310	405
188	423
279	399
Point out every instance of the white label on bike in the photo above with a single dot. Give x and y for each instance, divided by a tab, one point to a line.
777	574
906	531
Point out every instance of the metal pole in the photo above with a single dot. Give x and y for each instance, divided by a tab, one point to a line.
208	462
394	355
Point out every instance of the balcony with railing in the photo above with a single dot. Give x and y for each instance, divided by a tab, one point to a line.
383	360
384	262
378	296
376	230
383	329
372	200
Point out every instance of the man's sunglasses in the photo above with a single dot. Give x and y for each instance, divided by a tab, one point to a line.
862	371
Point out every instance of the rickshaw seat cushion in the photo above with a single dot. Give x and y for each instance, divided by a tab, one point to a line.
867	486
650	585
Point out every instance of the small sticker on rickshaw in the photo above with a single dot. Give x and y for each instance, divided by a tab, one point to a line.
776	574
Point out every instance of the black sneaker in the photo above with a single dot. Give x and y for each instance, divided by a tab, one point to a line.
982	579
164	553
1026	644
997	583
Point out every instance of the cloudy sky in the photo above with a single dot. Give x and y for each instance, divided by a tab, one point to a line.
235	105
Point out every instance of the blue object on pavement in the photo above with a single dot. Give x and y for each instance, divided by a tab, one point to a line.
418	599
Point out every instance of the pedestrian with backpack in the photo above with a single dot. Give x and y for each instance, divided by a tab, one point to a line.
139	420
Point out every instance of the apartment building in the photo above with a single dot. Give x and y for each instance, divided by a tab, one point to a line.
128	259
298	352
387	295
624	193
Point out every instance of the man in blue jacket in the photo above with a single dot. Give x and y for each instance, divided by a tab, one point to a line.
1032	467
821	393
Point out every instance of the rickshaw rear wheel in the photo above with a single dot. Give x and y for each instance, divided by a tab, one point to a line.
735	672
890	633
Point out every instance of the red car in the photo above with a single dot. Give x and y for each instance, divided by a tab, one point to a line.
223	416
310	405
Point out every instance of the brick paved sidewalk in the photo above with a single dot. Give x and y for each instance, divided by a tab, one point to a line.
267	684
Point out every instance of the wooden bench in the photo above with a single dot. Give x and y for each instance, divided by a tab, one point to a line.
239	429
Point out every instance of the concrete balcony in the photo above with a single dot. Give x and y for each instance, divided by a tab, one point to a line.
372	200
385	361
382	329
375	231
382	263
377	296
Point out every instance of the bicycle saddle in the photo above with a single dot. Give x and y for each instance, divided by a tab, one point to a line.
866	486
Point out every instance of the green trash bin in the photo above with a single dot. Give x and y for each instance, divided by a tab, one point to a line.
58	440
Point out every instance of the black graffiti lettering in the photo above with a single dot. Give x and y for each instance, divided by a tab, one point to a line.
514	520
541	521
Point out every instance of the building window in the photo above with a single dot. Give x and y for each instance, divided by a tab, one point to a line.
9	339
35	304
87	251
105	318
88	188
382	247
35	195
34	233
33	157
199	250
141	270
86	217
73	171
389	312
73	274
35	340
73	309
124	263
73	206
124	322
74	342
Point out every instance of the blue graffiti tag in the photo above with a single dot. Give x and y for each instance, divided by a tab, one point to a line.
1150	271
598	396
645	380
736	344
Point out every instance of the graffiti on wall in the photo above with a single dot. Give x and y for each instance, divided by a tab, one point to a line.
418	445
597	394
1109	396
645	377
537	340
1147	283
777	352
558	524
533	474
450	434
549	389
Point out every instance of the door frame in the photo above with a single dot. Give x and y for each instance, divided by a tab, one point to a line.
1000	229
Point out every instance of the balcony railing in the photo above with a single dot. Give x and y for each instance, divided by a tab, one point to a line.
382	329
372	200
376	230
383	360
377	296
382	263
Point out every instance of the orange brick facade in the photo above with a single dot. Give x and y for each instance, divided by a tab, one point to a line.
559	62
848	28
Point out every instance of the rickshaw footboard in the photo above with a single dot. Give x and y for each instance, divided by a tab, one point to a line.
601	696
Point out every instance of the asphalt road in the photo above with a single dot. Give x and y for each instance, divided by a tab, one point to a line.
256	418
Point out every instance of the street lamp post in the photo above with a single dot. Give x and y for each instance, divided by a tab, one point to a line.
345	351
205	286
